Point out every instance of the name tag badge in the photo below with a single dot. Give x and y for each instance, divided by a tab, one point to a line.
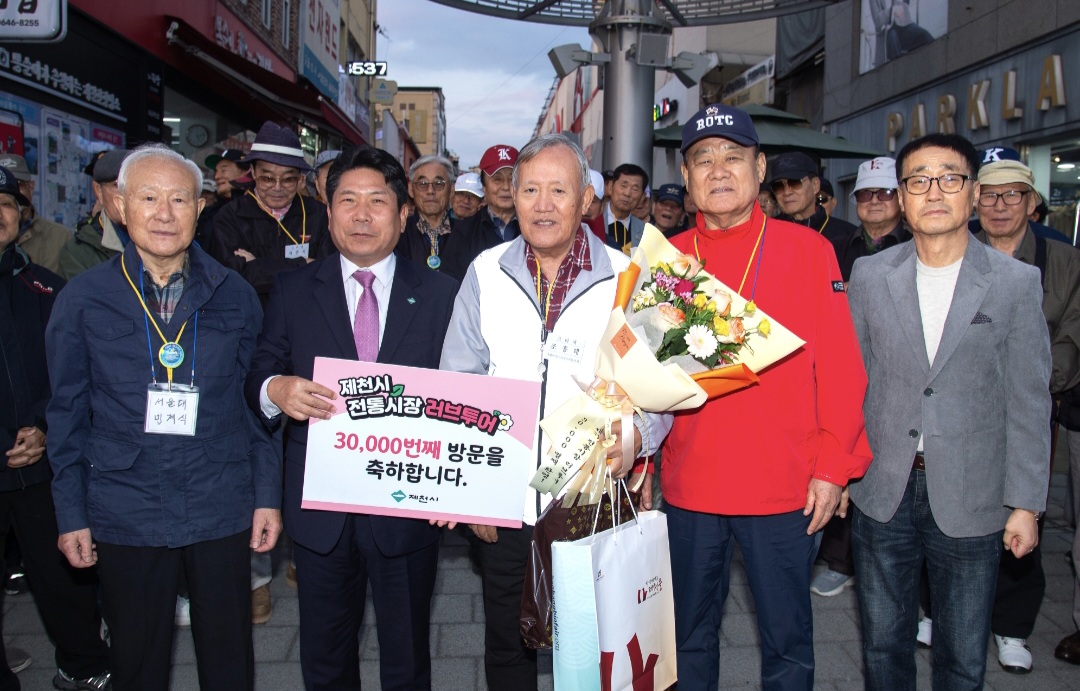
171	412
564	348
298	251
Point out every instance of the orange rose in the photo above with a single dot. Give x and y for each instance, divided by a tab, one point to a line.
671	314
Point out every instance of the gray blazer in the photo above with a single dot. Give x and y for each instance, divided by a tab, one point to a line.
984	405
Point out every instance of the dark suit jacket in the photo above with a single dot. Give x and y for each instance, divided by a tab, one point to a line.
307	317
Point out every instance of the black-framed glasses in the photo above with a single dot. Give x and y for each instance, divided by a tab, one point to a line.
438	183
779	186
949	184
864	196
1010	197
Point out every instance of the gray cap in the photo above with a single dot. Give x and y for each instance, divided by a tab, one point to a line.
107	168
325	157
17	166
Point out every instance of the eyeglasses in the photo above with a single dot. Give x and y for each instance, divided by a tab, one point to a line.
864	196
920	184
823	199
778	186
1010	197
439	184
269	182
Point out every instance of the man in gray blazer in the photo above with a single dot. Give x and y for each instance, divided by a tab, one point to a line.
958	360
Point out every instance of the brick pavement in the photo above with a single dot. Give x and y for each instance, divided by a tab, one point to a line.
457	633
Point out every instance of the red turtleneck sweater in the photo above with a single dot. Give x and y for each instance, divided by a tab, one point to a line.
753	452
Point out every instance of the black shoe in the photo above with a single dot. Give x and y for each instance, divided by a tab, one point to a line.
1069	649
16	584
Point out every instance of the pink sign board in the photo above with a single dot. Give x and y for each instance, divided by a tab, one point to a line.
420	443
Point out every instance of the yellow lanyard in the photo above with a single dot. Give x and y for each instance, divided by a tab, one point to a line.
822	229
165	342
303	218
551	289
753	253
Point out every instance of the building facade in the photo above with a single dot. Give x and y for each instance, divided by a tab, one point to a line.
200	76
1003	75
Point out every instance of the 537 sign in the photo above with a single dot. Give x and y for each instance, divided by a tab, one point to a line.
367	68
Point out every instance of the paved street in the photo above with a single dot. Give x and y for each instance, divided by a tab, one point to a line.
457	633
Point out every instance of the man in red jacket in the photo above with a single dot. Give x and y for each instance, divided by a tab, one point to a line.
765	466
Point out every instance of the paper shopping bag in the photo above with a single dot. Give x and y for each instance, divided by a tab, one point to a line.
558	523
614	615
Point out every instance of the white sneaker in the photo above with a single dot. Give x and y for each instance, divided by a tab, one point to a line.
183	611
1013	654
926	628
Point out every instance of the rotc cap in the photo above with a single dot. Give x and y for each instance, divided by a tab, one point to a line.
719	120
999	153
107	167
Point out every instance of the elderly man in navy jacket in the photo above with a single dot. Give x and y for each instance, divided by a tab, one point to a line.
159	466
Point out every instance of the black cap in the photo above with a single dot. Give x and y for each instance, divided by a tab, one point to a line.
10	185
107	167
794	165
234	155
89	169
826	187
670	193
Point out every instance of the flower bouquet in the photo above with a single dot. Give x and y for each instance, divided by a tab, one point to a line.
676	337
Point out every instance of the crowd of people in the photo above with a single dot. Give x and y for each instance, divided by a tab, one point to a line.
906	445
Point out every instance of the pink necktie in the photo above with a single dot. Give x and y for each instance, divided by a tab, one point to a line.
366	324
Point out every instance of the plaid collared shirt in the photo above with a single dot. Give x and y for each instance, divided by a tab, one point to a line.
162	300
575	261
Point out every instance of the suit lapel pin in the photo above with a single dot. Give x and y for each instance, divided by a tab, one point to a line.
412	301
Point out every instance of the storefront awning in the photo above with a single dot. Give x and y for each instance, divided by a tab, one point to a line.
780	131
289	100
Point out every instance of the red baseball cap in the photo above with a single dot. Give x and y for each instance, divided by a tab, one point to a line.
498	157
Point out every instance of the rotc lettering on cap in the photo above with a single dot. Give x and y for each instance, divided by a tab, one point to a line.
3	178
875	164
504	154
837	286
993	155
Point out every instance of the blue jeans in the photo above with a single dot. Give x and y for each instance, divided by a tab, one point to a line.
778	555
962	574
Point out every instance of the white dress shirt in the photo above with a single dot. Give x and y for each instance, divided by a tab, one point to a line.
384	281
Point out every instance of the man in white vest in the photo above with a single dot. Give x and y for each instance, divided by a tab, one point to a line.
519	302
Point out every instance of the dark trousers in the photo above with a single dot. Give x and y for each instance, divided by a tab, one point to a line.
67	598
962	573
778	555
140	586
836	545
508	664
333	591
1020	588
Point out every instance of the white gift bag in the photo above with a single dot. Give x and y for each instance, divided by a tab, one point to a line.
613	614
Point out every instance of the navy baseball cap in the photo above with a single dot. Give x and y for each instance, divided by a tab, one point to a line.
10	185
794	165
670	193
719	120
1000	153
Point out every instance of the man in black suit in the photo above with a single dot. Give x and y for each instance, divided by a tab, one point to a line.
329	308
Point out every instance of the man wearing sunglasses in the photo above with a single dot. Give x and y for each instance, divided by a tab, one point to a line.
958	360
1006	200
796	184
878	209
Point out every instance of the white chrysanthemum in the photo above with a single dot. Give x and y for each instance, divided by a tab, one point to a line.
700	342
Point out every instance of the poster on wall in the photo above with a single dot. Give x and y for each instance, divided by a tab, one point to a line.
56	146
891	28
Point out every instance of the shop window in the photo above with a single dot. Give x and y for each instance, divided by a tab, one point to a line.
285	11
